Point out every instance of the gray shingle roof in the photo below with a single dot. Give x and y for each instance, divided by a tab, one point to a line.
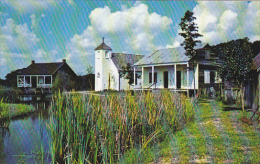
103	46
41	69
170	55
256	62
120	59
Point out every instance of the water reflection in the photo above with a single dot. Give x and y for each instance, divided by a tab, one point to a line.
26	139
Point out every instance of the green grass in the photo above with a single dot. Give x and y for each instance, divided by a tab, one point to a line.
8	111
216	136
120	128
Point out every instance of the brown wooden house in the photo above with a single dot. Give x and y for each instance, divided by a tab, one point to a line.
42	75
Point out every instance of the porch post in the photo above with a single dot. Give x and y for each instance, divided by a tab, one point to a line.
23	81
152	75
197	80
175	76
188	86
30	81
134	77
142	78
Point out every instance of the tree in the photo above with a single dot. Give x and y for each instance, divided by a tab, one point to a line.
190	33
128	73
63	82
236	57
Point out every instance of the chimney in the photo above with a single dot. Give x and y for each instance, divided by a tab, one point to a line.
33	62
64	60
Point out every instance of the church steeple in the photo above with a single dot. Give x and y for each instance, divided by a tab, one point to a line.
103	46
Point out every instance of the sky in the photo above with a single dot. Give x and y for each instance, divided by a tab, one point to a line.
52	30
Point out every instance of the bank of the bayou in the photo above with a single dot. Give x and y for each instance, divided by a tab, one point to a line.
8	111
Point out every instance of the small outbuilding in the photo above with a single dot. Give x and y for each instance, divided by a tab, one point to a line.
252	86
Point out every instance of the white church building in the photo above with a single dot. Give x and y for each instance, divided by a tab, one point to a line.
108	69
163	69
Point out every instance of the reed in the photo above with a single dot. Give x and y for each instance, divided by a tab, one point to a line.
106	129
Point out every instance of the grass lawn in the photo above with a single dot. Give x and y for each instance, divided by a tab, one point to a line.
14	110
216	136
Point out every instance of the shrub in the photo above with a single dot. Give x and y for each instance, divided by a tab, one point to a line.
8	94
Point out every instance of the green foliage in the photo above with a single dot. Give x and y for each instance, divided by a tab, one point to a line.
63	82
108	129
237	61
8	94
13	110
128	73
189	33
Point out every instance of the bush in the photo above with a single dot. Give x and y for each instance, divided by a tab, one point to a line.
63	82
8	94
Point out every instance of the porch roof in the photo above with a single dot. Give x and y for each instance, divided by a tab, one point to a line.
169	55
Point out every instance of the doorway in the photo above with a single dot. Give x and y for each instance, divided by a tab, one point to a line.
165	78
34	81
178	79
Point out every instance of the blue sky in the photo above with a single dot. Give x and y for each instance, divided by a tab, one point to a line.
50	30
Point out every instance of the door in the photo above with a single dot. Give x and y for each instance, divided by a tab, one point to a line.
165	78
34	82
178	79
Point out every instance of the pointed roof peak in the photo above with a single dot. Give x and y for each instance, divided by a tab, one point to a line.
103	46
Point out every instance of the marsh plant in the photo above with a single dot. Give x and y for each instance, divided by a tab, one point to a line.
111	129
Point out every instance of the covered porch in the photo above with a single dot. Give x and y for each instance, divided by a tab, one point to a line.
34	81
175	76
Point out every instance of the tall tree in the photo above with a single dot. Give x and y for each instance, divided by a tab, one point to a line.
190	33
236	57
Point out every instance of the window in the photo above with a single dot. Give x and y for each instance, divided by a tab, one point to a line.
40	80
27	79
206	76
207	54
209	77
47	79
212	77
136	76
106	54
155	77
20	79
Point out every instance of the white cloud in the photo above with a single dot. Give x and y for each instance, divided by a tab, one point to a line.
28	5
131	30
17	44
35	19
222	21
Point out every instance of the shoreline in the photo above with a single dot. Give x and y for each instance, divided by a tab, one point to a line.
12	111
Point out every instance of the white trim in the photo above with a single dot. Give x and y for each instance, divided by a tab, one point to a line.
152	75
142	78
188	81
134	77
175	75
166	64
